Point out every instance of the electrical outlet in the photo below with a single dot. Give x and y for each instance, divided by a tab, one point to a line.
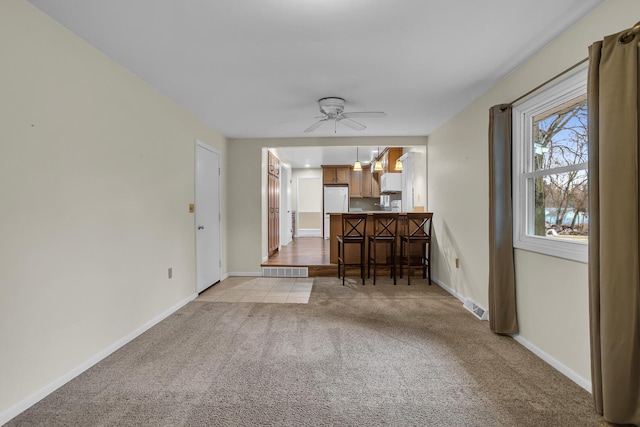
170	272
457	262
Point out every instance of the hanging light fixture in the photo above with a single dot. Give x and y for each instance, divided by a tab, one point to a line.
378	166
398	165
357	166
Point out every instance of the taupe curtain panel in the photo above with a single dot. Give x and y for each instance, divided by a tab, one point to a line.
614	256
502	286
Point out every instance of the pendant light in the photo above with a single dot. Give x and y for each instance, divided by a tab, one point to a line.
378	166
357	166
398	165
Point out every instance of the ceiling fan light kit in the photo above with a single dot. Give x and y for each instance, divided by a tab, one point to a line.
332	109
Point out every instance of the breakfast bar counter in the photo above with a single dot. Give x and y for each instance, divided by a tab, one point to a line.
352	253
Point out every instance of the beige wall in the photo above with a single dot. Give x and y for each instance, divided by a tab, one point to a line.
551	293
303	173
306	219
310	220
97	171
248	202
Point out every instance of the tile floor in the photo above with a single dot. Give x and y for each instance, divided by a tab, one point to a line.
260	289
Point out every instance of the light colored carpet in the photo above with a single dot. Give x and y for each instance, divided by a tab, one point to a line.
355	355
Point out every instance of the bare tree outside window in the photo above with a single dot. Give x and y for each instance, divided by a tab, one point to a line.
560	152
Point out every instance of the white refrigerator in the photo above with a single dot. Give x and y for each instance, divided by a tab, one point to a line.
336	199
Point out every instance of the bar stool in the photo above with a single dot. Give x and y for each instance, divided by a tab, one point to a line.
385	230
417	232
354	230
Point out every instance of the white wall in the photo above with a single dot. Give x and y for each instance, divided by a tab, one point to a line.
248	202
315	192
96	173
303	173
551	293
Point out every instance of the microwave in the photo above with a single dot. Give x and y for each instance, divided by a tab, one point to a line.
391	183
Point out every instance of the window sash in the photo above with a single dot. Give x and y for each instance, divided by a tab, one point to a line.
555	94
551	171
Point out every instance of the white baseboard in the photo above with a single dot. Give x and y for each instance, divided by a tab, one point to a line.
309	232
24	404
448	289
563	369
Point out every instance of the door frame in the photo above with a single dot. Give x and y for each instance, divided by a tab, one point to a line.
204	146
285	205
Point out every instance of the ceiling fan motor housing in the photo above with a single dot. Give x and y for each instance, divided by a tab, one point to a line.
331	106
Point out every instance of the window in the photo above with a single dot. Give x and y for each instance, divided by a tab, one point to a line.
550	154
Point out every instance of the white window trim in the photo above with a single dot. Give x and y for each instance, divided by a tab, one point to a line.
554	94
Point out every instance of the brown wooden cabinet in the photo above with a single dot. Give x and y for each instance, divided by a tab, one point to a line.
356	184
375	184
273	197
274	165
336	174
364	184
370	186
388	158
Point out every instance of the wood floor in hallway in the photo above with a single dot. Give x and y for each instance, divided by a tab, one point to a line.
311	252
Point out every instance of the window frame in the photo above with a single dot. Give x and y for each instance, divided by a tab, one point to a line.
554	94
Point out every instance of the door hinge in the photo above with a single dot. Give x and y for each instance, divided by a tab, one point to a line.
219	173
220	263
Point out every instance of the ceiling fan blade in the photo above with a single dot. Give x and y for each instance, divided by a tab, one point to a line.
351	123
364	114
315	126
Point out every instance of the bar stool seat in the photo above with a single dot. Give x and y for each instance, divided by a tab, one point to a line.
417	233
385	230
354	231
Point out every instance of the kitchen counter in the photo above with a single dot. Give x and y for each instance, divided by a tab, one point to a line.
352	253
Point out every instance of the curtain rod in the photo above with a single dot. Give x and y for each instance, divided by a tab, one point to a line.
624	38
630	34
550	80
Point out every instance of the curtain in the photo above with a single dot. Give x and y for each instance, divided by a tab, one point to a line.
502	287
614	256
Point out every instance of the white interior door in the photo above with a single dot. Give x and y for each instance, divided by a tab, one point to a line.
207	216
286	233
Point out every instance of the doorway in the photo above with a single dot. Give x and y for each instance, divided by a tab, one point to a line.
207	216
286	226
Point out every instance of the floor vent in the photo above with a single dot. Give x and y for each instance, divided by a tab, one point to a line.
476	310
285	272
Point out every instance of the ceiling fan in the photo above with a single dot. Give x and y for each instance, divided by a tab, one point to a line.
332	108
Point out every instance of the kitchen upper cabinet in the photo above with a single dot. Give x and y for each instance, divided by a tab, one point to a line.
356	185
336	174
370	186
389	157
364	184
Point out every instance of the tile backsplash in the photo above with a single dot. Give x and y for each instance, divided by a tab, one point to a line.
365	204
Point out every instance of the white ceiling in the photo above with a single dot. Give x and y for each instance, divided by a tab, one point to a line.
256	68
313	157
